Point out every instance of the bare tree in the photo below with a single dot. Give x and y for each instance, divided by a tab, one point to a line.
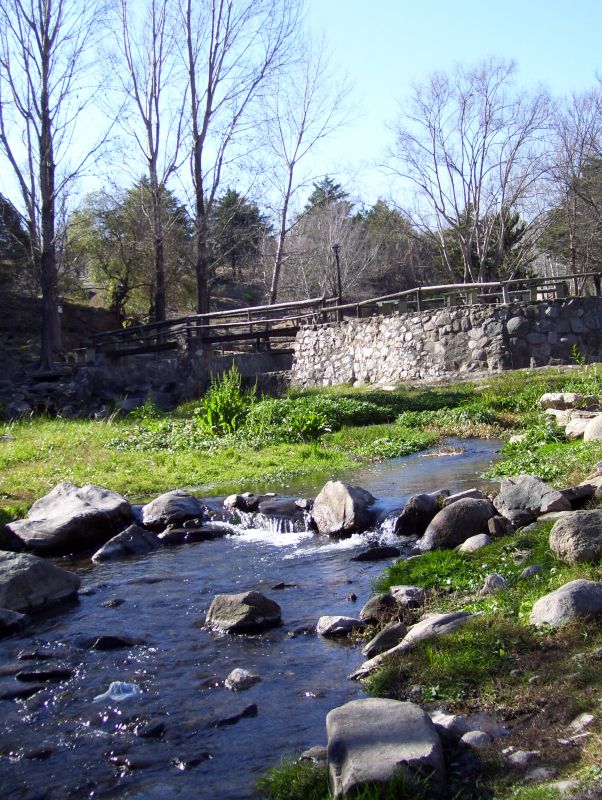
147	37
311	267
44	63
577	178
306	106
472	144
233	49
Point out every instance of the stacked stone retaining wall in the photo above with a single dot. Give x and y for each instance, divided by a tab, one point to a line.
430	344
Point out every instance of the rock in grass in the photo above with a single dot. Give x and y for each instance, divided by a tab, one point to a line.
72	518
523	498
474	543
456	523
408	596
574	599
133	541
379	607
29	583
373	740
385	639
494	582
431	626
171	507
577	538
248	612
342	509
593	430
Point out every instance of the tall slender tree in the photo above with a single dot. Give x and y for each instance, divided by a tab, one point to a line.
306	106
147	71
44	90
234	48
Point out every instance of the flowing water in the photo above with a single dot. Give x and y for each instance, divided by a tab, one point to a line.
61	743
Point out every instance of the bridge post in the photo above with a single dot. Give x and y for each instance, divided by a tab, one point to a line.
505	294
597	284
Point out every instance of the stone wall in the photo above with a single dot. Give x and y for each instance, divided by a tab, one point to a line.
414	346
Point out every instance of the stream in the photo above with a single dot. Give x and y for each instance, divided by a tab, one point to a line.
167	741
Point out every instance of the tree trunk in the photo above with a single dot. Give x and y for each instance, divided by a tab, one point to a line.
281	237
51	326
201	264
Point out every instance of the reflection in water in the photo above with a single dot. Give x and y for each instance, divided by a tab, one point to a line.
163	743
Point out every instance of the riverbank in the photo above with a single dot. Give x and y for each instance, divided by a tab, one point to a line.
318	433
150	452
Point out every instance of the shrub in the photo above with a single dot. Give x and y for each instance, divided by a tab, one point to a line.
225	405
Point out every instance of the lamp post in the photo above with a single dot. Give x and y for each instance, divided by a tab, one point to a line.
336	249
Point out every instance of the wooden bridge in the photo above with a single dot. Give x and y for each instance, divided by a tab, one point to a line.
275	326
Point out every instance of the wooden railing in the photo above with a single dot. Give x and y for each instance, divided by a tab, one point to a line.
260	326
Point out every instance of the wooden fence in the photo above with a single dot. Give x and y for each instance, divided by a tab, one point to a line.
265	327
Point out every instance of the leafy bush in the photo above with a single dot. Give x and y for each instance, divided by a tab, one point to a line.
225	405
474	413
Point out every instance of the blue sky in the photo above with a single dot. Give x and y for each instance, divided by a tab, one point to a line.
385	46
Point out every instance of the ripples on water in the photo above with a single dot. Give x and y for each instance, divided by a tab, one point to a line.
59	743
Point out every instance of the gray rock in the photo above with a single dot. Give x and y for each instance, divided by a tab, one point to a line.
417	513
71	518
9	540
408	596
474	543
317	754
29	583
429	627
500	526
577	539
248	612
494	582
332	626
133	541
593	430
530	572
372	740
385	639
379	607
475	493
572	600
563	400
171	507
521	759
12	621
378	553
240	679
342	509
476	739
575	428
525	497
456	523
454	724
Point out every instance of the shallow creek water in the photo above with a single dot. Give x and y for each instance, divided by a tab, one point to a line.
59	743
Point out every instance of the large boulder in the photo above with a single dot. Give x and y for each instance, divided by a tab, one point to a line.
29	583
248	612
171	507
342	509
379	607
577	538
133	541
374	740
12	621
523	498
72	518
417	513
575	599
9	540
456	523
